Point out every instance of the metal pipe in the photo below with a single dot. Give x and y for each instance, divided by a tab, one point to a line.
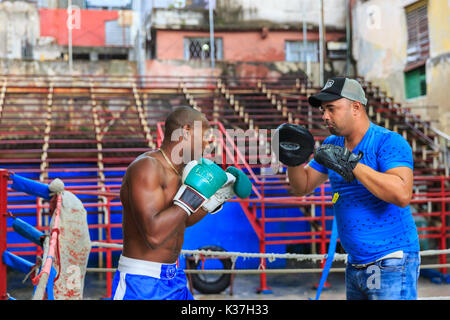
348	39
211	34
4	175
69	27
321	45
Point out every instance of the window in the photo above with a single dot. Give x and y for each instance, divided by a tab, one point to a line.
296	51
415	82
418	49
199	49
109	4
27	50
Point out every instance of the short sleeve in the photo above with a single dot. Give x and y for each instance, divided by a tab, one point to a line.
395	152
314	164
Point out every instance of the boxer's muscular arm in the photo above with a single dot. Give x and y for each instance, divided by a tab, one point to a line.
393	186
304	180
196	217
147	203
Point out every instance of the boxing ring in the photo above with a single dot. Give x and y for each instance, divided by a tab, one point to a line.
47	273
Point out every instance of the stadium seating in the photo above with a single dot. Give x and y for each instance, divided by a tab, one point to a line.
87	130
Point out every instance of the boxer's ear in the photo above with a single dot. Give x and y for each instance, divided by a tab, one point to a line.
186	132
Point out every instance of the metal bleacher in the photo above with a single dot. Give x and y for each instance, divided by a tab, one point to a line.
87	129
94	126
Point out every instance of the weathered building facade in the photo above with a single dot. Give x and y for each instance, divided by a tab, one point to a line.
251	38
403	47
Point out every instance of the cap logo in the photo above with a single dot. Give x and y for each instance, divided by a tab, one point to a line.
328	84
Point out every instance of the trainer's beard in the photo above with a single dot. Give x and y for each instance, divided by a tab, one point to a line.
332	129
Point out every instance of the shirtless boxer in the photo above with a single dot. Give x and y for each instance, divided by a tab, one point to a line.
160	198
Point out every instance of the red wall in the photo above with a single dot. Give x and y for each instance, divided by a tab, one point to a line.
244	46
53	23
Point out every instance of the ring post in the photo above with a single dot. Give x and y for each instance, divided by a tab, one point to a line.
4	175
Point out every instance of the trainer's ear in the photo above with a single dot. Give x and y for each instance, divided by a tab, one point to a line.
357	107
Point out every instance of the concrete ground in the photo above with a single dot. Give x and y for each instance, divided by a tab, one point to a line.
301	287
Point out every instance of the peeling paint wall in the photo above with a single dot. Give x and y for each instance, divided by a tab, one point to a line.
112	67
239	12
438	66
379	48
288	11
235	69
19	23
253	37
237	46
245	53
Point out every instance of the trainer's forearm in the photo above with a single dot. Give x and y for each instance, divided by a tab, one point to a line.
298	180
387	187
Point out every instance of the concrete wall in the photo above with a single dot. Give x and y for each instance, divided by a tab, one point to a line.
237	46
438	66
287	11
19	22
248	50
228	12
273	70
245	53
91	31
112	67
379	48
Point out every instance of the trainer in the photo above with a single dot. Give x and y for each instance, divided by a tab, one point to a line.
161	196
370	170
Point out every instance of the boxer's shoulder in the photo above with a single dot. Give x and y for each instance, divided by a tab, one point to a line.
146	161
147	166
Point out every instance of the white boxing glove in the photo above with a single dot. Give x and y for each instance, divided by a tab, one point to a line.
201	180
225	193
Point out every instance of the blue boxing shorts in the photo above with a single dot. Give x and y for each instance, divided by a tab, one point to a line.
146	280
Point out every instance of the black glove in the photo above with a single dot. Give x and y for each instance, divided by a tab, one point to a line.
295	144
338	159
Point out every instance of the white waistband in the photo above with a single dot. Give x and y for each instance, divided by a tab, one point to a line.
146	268
392	255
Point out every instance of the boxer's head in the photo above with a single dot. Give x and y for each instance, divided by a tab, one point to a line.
187	130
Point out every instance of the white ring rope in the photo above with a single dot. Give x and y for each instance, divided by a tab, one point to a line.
269	256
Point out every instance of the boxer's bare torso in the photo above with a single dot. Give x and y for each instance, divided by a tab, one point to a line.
153	229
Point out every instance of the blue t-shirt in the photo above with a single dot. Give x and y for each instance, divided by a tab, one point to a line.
370	228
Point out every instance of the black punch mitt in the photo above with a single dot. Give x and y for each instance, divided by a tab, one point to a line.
338	159
295	144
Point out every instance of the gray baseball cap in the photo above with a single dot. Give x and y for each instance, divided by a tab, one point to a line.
337	88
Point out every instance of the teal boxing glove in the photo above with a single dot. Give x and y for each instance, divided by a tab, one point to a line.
200	181
242	187
238	184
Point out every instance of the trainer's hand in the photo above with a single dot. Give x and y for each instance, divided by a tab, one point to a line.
295	145
200	181
238	184
338	159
